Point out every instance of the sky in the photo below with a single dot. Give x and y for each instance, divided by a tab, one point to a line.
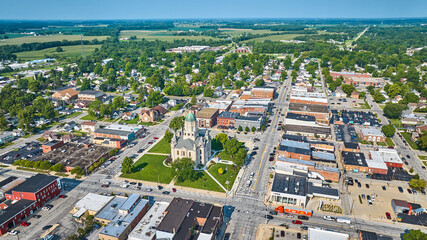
185	9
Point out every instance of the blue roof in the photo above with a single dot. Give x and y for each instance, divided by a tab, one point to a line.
295	144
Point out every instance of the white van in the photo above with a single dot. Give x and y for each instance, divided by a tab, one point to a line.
343	220
124	186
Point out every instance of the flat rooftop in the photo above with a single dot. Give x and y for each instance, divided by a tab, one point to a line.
371	131
289	184
146	228
206	113
75	154
93	202
390	155
356	159
34	184
319	234
175	214
376	161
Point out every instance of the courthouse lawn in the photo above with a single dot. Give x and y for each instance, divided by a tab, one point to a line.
229	175
204	182
150	168
161	147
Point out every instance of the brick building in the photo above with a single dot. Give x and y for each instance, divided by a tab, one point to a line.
207	117
49	146
23	199
66	94
371	134
90	95
226	120
263	92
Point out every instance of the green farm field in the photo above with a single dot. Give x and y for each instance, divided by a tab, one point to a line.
51	38
69	51
160	35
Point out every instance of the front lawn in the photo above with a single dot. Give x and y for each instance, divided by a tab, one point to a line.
396	122
389	142
133	121
204	181
75	114
150	168
407	137
228	174
162	146
88	117
422	157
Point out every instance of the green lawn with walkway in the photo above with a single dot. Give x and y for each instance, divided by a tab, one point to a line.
389	142
229	174
204	182
150	168
162	146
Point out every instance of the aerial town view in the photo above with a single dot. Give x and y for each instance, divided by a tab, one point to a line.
213	120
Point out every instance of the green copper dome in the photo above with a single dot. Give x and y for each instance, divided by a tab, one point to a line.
190	117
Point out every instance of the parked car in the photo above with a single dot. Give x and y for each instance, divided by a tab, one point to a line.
149	189
37	216
367	185
302	217
155	138
408	156
166	192
414	192
25	224
368	197
173	189
269	217
104	185
423	192
409	191
271	159
47	227
363	196
62	196
13	232
296	222
359	184
387	214
384	188
329	218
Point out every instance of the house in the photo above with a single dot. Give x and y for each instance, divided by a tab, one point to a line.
129	116
69	126
148	115
339	93
355	95
66	94
84	104
161	110
88	126
122	88
206	118
410	121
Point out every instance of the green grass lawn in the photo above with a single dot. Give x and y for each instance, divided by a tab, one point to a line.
229	174
51	38
275	37
225	156
69	51
396	122
162	35
389	142
150	168
75	114
161	147
204	181
133	121
88	117
422	157
407	137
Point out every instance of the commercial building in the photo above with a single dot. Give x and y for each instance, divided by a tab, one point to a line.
306	125
66	94
221	105
188	219
251	105
189	49
206	118
146	228
116	135
390	157
90	95
295	150
88	126
26	197
376	163
292	166
320	234
262	92
121	215
49	146
226	120
6	137
249	122
296	190
320	112
350	147
372	134
354	161
302	99
90	204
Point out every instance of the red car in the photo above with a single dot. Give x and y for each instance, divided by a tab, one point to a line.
387	214
25	224
271	159
150	142
155	138
296	222
173	189
62	196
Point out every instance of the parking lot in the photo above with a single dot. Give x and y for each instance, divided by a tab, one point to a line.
355	118
265	231
381	203
29	151
346	133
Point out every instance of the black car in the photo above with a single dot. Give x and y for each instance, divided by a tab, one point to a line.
132	183
272	212
269	217
47	227
299	235
359	184
166	192
37	216
367	185
159	187
303	217
400	189
384	188
408	156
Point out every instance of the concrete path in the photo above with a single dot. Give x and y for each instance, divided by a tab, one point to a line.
216	181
